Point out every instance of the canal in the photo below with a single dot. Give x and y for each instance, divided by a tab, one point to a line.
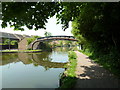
33	70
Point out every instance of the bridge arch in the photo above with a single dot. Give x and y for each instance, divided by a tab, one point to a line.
42	39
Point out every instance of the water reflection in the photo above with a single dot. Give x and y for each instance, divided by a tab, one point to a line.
63	49
43	59
33	70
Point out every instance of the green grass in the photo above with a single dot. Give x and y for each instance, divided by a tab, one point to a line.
68	79
19	50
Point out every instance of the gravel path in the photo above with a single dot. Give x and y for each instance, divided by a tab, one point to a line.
91	75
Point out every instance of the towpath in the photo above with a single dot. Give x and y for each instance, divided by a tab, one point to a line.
92	75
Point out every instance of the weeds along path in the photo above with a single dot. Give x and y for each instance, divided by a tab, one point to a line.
92	75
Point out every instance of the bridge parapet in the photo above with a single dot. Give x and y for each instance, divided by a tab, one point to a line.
50	37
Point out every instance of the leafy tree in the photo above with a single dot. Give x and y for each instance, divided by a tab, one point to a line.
29	14
6	42
98	25
60	43
47	34
30	40
14	42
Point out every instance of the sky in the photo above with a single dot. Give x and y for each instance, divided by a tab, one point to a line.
51	26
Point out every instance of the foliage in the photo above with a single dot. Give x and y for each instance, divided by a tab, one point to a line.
10	42
60	43
72	55
6	42
30	40
69	77
29	14
68	43
98	24
47	34
14	42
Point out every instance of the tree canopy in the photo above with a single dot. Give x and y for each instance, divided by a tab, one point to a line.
29	14
35	14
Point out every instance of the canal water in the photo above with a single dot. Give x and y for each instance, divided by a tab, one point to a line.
33	70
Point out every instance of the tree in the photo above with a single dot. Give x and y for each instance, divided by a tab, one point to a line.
29	14
14	42
30	40
7	42
47	34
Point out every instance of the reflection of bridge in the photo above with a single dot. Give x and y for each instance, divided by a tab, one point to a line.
37	59
42	39
47	63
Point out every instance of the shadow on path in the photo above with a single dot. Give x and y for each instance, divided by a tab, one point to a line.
91	75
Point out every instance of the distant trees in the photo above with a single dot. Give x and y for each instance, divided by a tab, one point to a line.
10	42
47	34
30	40
6	42
14	42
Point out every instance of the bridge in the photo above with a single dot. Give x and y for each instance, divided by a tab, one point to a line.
49	38
70	38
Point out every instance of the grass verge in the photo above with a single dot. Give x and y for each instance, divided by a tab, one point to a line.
68	79
14	51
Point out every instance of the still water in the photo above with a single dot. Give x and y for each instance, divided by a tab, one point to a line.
33	70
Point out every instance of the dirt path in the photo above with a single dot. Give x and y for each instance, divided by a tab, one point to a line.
91	75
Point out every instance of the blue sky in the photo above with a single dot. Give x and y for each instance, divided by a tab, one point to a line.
51	26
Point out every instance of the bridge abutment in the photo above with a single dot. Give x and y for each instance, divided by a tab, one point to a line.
22	45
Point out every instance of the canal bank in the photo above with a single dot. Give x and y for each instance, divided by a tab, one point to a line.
68	78
20	51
